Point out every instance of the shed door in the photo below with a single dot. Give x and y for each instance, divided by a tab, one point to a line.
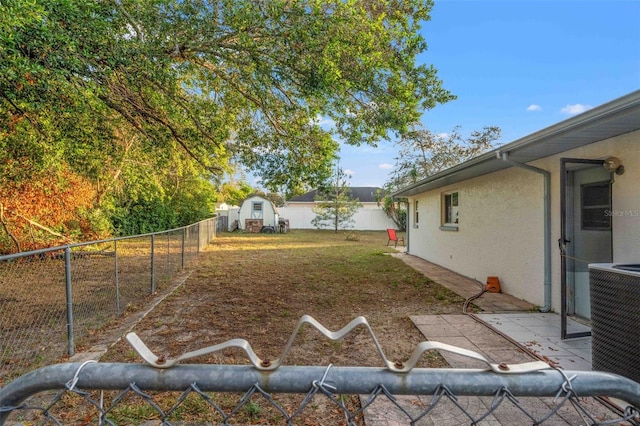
586	232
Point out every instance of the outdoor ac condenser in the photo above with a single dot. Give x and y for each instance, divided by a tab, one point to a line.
615	319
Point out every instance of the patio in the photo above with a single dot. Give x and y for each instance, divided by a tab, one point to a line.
509	330
512	319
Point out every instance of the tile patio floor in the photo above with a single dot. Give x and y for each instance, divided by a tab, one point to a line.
508	330
514	319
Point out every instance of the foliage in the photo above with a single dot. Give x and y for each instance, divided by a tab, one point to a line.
423	153
234	193
242	81
152	193
335	207
393	208
49	210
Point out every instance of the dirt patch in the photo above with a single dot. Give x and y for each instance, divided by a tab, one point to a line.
257	287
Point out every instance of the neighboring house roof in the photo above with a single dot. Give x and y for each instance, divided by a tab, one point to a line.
612	119
365	194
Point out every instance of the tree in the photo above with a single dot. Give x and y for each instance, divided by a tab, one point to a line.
150	190
221	81
395	210
234	193
335	207
147	99
50	210
422	153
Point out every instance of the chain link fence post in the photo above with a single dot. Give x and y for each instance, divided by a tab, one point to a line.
184	232
69	297
153	264
117	278
198	238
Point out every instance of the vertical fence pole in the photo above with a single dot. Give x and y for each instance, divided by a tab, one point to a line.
115	250
67	279
184	231
211	230
153	264
199	236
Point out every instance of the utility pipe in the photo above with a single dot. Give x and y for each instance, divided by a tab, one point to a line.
547	224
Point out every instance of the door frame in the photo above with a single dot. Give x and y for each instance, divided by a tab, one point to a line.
564	240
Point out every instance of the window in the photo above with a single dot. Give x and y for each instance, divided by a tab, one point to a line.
450	210
595	201
415	213
256	210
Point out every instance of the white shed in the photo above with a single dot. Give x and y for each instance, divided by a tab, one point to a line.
257	212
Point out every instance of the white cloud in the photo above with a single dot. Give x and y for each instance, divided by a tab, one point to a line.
349	172
385	166
575	109
534	107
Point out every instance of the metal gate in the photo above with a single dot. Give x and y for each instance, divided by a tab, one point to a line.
167	391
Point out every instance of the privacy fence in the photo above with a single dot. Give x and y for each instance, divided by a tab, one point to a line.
166	392
51	298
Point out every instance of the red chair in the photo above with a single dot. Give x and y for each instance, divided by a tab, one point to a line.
394	237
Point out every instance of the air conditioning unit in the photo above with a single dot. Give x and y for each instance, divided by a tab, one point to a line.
615	318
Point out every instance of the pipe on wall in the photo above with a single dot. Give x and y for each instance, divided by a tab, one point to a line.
547	224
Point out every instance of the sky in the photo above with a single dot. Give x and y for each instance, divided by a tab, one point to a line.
521	65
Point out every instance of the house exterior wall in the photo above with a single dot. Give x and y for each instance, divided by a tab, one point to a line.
500	218
364	219
625	219
501	221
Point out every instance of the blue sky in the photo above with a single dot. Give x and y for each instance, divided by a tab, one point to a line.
520	65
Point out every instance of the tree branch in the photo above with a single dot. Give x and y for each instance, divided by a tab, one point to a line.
38	225
6	228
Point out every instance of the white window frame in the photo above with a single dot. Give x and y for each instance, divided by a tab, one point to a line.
416	214
450	210
257	213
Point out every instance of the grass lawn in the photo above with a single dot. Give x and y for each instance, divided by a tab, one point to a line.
257	286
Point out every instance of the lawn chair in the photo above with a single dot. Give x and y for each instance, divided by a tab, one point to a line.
394	237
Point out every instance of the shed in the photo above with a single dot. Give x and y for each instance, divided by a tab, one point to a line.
257	212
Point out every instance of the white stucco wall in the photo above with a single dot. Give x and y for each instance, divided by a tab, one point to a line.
500	217
501	222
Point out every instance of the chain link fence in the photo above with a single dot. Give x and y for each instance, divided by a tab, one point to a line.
51	298
164	391
104	393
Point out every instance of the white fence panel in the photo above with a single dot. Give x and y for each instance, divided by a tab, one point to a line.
365	219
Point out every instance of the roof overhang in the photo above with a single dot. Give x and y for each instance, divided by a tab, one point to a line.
612	119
